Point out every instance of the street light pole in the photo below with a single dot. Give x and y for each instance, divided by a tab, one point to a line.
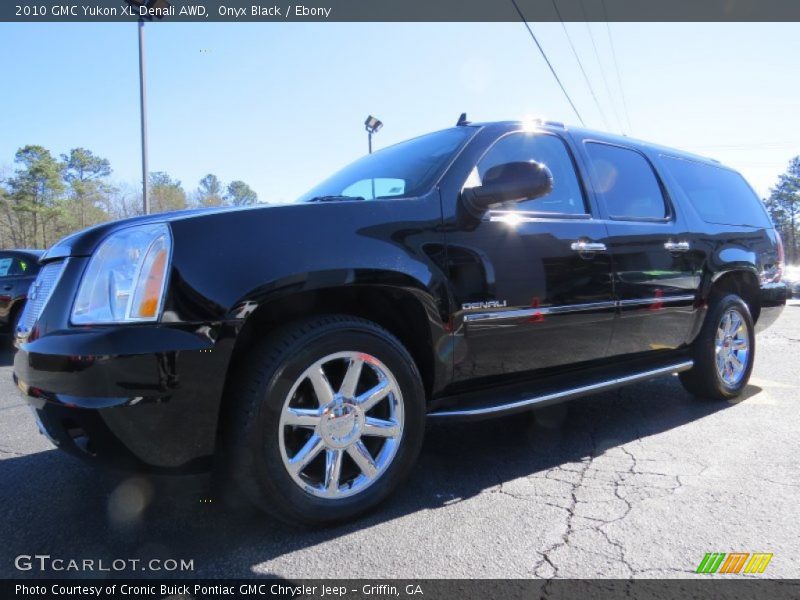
143	114
372	125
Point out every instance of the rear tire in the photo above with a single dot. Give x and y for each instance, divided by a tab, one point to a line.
723	352
283	411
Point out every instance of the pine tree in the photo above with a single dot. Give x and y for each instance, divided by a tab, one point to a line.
783	205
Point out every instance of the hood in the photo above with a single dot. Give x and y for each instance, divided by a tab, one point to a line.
84	243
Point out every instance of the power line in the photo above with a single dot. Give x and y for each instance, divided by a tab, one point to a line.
616	67
753	146
600	64
580	64
552	70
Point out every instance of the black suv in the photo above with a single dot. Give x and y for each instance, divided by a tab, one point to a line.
478	271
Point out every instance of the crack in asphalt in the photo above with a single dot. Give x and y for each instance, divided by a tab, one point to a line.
10	452
779	334
621	482
786	483
546	558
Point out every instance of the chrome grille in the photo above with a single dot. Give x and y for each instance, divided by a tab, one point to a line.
38	295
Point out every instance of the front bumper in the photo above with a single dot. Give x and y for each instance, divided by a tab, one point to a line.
136	397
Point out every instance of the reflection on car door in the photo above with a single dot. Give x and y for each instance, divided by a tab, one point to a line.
532	279
656	271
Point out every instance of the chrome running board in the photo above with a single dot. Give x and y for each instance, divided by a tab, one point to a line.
467	413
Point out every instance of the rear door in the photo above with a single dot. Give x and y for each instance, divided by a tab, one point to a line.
656	271
533	278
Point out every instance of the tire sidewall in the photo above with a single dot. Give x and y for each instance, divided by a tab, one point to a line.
268	470
723	306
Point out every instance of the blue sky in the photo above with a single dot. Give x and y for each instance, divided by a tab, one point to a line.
282	105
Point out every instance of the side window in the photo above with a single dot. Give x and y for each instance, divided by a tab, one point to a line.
626	183
380	187
20	267
566	197
14	267
7	267
719	194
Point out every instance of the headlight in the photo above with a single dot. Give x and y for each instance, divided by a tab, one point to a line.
126	276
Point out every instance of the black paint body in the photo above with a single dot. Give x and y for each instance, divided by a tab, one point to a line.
152	395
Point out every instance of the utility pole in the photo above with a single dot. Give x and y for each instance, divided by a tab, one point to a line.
157	9
143	115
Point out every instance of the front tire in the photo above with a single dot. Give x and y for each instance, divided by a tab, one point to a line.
723	352
327	419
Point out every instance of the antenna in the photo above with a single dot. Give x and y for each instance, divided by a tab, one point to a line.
462	120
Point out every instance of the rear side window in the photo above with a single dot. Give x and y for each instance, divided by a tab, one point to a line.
626	183
15	267
6	262
720	195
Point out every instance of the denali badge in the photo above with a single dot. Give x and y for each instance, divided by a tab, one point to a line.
487	304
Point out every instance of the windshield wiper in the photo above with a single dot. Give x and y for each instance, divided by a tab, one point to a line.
334	198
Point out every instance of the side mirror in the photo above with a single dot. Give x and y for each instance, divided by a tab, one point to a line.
509	182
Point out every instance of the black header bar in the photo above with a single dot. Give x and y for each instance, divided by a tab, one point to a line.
406	589
397	10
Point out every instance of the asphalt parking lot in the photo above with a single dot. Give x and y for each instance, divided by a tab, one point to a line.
638	482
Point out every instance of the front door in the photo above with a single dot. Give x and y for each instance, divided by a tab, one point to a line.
532	280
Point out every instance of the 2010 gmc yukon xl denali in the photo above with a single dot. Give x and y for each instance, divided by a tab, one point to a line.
481	270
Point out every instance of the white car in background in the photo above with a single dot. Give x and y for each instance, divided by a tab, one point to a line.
791	275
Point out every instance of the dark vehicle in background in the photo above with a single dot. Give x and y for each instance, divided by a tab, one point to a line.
478	271
18	269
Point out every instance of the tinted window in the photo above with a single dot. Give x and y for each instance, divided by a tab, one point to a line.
15	267
626	183
18	266
566	197
380	187
406	169
6	264
719	195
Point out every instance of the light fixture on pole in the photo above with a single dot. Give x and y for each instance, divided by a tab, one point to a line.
372	125
161	7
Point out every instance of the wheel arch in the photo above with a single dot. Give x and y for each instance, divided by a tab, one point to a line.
741	280
395	301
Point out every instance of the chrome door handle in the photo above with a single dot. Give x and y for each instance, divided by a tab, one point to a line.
676	246
585	247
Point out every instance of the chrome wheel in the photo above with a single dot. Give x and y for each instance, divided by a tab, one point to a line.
341	425
732	347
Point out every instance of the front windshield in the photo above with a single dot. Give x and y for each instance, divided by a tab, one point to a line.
406	169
